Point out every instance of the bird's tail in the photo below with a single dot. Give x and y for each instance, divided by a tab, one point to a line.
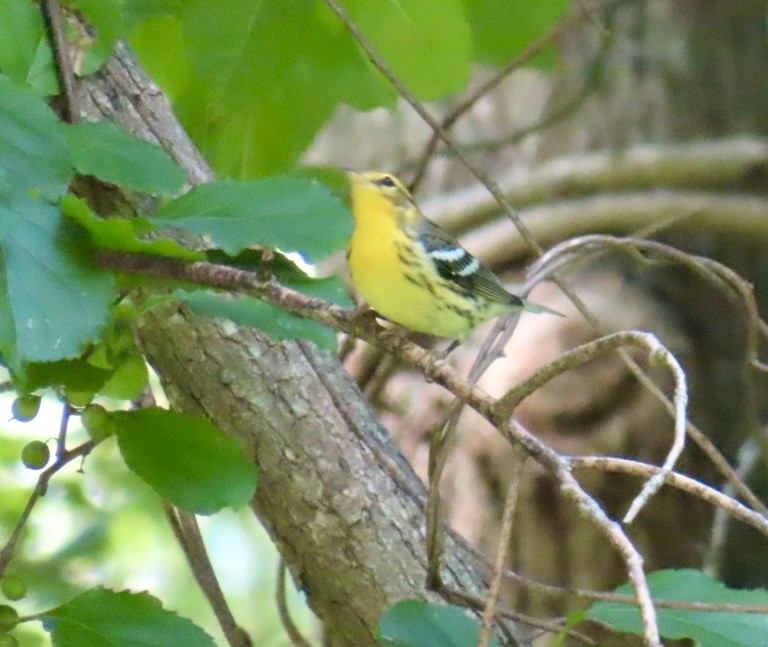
537	308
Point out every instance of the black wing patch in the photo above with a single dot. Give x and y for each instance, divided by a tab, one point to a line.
456	265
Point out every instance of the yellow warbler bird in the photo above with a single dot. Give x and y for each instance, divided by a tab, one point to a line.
412	272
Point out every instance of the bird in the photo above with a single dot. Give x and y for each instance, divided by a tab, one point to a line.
412	272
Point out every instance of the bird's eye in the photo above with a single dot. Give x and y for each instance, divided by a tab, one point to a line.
386	181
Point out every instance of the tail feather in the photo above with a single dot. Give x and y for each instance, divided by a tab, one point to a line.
537	308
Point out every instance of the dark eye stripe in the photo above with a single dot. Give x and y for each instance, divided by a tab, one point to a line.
385	181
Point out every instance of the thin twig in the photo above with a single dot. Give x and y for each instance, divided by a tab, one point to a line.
41	487
187	533
680	402
438	455
718	275
701	440
465	599
54	26
484	88
61	440
411	99
621	598
440	442
748	456
502	554
673	479
297	640
566	109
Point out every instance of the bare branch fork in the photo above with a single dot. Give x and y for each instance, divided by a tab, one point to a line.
584	353
63	457
720	276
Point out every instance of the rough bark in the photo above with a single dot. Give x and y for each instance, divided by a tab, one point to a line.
343	506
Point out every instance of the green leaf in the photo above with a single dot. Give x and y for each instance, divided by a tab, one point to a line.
158	40
185	459
706	628
503	30
136	11
415	623
426	43
290	214
21	29
331	289
109	153
53	302
72	374
123	233
129	379
103	618
105	17
254	82
33	152
257	314
42	72
269	96
571	620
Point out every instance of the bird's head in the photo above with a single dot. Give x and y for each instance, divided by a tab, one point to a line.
372	185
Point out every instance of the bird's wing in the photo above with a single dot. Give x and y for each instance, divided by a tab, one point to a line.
454	263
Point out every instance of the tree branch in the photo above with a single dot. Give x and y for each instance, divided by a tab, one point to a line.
625	212
714	165
187	533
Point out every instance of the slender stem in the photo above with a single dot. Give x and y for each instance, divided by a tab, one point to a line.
61	441
469	101
54	26
502	555
282	609
187	532
41	487
720	501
